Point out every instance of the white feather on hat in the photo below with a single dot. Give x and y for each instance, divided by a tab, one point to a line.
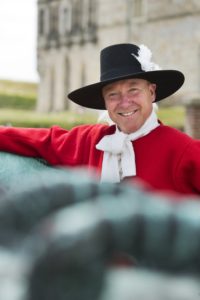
144	58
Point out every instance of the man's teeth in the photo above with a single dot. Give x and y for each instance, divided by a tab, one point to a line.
127	114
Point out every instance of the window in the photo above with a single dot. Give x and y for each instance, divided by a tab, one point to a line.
80	20
41	22
53	20
77	15
66	19
91	5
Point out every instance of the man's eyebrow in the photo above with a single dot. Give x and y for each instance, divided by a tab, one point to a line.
107	88
111	86
133	82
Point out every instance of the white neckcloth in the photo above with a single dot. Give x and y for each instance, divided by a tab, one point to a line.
120	143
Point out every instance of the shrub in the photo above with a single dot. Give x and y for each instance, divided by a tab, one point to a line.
23	118
17	102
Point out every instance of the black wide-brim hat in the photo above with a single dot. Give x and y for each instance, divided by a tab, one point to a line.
124	61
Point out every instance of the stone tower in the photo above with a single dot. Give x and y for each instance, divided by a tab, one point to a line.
72	32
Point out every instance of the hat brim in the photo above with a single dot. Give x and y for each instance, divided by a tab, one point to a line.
167	82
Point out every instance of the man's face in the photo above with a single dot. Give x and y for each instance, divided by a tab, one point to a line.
129	102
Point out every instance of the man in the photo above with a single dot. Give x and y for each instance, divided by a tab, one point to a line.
137	145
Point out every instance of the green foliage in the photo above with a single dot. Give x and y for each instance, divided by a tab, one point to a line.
17	108
17	102
18	95
173	116
18	88
23	118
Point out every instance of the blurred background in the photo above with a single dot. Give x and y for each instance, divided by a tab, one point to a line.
49	48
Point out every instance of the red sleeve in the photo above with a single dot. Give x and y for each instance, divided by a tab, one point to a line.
188	169
56	145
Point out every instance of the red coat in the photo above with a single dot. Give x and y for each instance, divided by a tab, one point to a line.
166	159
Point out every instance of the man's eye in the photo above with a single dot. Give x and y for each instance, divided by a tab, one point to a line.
133	91
112	95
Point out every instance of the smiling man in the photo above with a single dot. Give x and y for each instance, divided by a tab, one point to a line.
129	102
137	145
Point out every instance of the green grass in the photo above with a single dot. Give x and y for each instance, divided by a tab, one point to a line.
173	116
23	118
18	88
19	95
17	101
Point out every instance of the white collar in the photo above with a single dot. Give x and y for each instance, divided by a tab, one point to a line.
119	143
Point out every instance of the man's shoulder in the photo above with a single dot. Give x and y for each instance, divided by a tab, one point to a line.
169	130
92	131
169	133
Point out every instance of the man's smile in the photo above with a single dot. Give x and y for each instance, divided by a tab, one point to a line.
128	114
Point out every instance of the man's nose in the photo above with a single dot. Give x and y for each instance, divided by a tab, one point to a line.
125	100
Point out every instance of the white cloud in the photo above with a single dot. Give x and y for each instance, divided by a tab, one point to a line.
18	33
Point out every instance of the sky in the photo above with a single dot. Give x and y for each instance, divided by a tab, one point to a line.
18	40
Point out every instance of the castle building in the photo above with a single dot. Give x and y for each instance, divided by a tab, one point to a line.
71	34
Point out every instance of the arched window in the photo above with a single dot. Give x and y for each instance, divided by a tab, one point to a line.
53	20
67	23
41	22
91	13
81	20
77	15
65	18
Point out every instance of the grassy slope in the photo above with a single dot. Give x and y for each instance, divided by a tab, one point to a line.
18	88
17	108
19	95
17	102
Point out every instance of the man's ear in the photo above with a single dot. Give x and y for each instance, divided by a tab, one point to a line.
153	91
